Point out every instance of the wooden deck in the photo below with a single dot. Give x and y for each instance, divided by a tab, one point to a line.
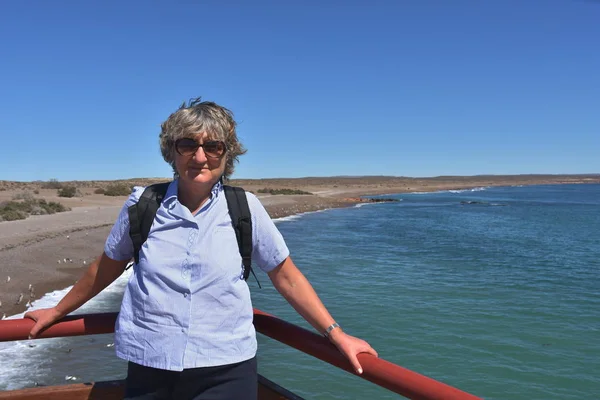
113	390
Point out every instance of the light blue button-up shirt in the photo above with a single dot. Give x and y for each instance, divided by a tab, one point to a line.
186	304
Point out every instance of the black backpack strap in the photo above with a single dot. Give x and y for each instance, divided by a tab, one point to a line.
241	219
142	213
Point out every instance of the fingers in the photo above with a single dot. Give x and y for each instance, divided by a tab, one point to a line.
354	347
37	327
354	360
355	364
43	319
34	331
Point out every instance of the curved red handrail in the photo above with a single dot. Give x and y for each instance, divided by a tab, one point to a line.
72	325
379	371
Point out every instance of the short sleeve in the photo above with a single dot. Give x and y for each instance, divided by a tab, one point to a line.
118	245
268	246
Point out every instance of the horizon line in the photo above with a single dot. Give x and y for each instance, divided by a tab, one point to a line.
594	175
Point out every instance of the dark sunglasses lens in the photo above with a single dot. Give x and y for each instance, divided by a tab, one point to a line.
186	147
214	149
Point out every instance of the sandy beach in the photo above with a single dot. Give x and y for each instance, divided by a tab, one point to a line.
50	252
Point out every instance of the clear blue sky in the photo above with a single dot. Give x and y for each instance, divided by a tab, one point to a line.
412	88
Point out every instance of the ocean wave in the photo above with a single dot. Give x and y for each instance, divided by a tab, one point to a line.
295	217
371	203
288	218
477	189
25	362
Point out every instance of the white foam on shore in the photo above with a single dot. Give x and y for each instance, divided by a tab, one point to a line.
477	189
52	298
23	361
359	205
288	218
295	217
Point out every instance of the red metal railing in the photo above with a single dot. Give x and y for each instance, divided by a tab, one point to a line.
383	373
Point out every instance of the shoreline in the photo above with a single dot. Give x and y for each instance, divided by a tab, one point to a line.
30	249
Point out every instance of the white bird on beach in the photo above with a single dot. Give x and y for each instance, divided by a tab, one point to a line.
68	236
3	316
0	304
8	279
20	299
84	262
70	378
28	304
30	287
59	261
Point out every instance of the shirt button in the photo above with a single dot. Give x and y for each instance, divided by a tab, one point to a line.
185	295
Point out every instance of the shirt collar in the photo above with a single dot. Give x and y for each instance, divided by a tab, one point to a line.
171	194
217	188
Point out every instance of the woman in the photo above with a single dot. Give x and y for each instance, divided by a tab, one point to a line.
185	324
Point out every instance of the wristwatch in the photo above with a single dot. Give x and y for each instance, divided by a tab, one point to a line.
330	328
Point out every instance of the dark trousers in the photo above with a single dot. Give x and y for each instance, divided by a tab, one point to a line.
226	382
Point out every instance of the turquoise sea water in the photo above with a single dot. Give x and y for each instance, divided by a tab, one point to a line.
500	297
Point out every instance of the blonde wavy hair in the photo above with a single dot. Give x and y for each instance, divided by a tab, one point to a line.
197	116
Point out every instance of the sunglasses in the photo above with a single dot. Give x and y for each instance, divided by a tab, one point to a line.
189	147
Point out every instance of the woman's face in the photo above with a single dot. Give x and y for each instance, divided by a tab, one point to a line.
197	168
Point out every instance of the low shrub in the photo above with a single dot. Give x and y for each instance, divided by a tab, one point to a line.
52	184
52	207
68	191
99	191
26	196
117	189
37	210
13	210
12	214
282	191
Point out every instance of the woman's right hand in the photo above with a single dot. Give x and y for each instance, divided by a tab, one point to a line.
43	318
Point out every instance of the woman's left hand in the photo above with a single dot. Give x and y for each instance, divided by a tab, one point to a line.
350	346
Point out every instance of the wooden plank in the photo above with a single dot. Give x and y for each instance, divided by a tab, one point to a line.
113	390
269	390
78	391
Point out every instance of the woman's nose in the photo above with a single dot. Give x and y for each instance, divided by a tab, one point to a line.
199	155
